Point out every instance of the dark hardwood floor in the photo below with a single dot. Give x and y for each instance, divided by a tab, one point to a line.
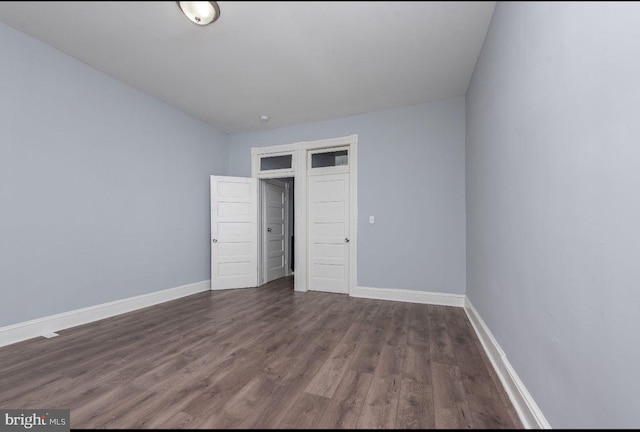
264	358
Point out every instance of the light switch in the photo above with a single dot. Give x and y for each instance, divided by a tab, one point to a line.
371	219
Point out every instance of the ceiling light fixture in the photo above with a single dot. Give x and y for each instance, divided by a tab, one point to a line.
264	118
200	12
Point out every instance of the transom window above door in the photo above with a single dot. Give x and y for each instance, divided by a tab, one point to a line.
329	160
276	163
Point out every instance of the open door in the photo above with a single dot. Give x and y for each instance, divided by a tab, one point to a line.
274	243
234	232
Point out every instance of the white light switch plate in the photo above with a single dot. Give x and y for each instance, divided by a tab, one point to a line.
371	219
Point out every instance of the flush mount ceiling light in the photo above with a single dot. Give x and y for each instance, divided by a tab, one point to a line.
264	118
200	12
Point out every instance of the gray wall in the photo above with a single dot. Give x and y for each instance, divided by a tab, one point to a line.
553	204
104	191
410	177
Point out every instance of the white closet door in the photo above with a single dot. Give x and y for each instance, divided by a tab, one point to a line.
234	232
329	232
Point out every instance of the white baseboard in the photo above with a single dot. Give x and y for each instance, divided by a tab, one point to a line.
410	296
51	324
527	409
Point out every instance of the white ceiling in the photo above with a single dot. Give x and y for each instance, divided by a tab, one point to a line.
295	61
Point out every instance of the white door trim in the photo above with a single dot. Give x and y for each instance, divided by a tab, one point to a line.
299	169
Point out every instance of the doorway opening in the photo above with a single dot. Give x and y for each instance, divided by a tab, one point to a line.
276	229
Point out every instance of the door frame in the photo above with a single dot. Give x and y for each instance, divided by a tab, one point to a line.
299	171
262	255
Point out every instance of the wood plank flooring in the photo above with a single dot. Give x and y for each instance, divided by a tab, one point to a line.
264	358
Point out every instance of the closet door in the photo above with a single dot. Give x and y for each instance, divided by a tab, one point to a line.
329	232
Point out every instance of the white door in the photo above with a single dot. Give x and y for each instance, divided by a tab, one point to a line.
234	232
274	229
329	232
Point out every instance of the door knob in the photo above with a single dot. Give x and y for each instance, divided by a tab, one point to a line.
346	239
215	240
268	229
